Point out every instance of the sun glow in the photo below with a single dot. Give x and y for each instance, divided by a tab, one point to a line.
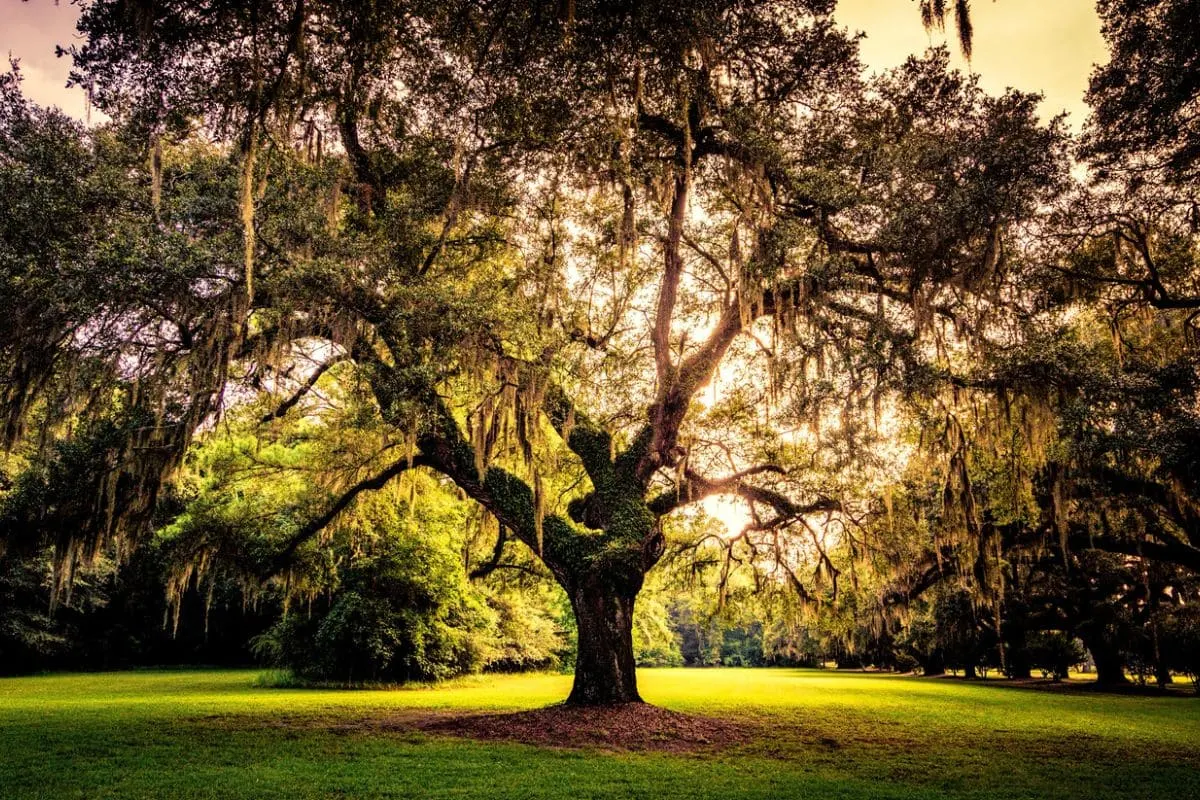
731	512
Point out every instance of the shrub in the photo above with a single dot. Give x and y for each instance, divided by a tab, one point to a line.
1053	653
402	613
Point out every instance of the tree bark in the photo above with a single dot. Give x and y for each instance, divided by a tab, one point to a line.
934	663
1110	664
1017	666
1162	674
1110	669
605	670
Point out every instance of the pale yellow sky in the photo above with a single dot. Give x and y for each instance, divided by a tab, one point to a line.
1047	46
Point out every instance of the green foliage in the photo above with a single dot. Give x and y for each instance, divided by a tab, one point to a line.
28	635
1142	98
386	601
402	611
1054	653
655	641
69	228
529	634
1179	640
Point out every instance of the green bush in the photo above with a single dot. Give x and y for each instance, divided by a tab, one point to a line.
529	635
1054	653
402	613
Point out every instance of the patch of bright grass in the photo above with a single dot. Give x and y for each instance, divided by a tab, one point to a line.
204	733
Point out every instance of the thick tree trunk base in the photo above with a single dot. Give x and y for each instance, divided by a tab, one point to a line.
933	665
1110	666
605	668
1111	676
585	699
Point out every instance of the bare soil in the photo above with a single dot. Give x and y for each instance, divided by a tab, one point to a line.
627	728
630	727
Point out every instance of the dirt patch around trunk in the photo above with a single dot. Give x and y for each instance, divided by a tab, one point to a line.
630	727
633	727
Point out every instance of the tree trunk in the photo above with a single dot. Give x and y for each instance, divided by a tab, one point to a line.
1110	664
604	665
1162	674
1017	666
1110	669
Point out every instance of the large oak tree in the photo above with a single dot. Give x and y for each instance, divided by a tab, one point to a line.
535	232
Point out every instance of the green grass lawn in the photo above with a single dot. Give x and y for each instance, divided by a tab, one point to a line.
820	734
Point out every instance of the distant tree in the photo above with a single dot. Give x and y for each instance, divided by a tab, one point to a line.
1144	99
964	631
1055	654
1179	641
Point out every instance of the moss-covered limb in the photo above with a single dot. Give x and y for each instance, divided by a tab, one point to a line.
670	407
616	505
696	488
493	563
932	568
623	542
568	551
442	446
619	552
582	434
304	388
627	460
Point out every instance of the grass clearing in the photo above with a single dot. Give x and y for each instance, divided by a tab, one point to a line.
208	733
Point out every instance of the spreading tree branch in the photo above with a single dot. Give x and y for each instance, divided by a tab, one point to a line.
318	524
311	381
696	488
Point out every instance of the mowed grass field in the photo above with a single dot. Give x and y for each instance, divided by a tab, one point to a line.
819	734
